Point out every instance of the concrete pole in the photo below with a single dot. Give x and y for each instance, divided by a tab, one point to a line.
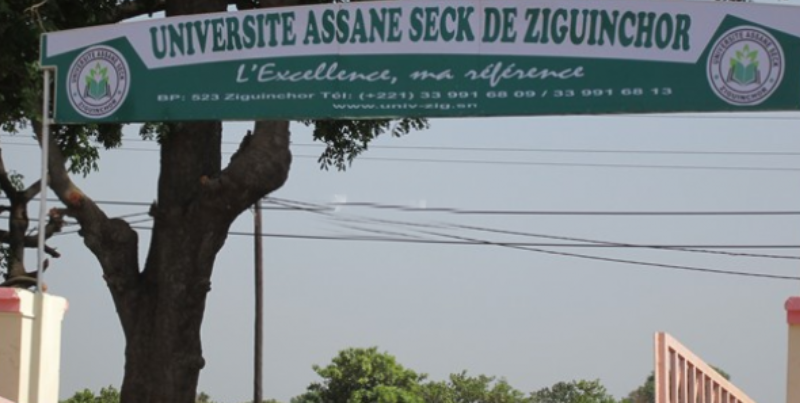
793	370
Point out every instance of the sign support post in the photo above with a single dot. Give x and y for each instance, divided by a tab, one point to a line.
46	121
38	337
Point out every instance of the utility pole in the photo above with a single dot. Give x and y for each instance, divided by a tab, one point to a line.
259	302
793	369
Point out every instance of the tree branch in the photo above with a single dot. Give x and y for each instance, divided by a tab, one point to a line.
112	241
135	8
32	191
54	223
5	182
31	241
260	166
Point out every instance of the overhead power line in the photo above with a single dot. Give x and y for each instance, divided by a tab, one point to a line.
451	242
637	262
332	206
576	255
469	241
540	150
397	239
568	150
624	244
524	163
378	239
130	203
309	207
551	237
453	210
531	247
571	164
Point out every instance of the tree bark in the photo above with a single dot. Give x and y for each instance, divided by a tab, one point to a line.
196	205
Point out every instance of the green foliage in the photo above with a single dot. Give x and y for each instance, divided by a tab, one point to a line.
16	180
21	24
581	391
645	393
203	397
462	388
346	139
84	396
359	375
107	395
368	376
307	397
723	373
111	395
5	256
154	131
79	144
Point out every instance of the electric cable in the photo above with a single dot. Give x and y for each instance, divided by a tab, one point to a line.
531	150
454	210
576	255
592	241
525	163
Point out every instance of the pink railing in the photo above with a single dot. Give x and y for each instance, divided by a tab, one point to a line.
682	377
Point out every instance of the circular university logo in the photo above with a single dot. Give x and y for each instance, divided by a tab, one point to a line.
745	66
98	82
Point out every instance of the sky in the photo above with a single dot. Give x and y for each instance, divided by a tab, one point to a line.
534	315
530	317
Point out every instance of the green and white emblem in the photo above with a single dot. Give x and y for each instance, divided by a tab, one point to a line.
745	66
98	82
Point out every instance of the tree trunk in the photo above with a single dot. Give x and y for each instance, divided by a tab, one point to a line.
197	202
161	307
163	355
163	352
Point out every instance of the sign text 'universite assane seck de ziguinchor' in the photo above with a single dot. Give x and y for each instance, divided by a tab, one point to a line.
431	58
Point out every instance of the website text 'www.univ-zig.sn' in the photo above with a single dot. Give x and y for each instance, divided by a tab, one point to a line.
407	106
